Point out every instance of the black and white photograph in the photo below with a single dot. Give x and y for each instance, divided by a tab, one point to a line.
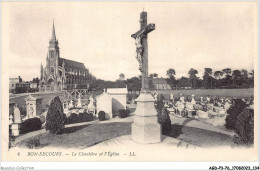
130	81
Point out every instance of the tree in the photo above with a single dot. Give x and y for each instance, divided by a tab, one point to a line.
36	80
227	71
218	75
207	79
155	75
236	74
183	82
55	117
170	72
244	78
134	84
192	76
251	79
121	76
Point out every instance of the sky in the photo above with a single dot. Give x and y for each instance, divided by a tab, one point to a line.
187	35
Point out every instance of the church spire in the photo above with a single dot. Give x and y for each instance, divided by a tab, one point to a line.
53	32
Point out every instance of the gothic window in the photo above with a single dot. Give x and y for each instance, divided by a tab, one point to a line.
52	70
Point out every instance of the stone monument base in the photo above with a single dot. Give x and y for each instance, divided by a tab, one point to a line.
145	128
15	127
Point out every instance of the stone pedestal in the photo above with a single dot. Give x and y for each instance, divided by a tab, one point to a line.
15	127
145	128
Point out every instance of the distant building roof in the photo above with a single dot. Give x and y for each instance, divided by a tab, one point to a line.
71	64
159	81
117	90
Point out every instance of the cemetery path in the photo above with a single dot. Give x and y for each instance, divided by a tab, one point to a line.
199	133
198	124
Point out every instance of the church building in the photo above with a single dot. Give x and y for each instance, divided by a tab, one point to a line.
62	74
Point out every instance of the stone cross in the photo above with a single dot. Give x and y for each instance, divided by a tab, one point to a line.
142	48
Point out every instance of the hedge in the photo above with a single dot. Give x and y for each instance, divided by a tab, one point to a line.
233	112
78	118
122	113
164	120
245	128
29	125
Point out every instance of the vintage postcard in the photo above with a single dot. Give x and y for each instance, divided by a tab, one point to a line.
129	81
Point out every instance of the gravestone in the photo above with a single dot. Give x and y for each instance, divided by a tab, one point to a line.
33	106
193	99
15	126
145	128
79	104
17	115
201	99
71	104
91	106
171	97
208	99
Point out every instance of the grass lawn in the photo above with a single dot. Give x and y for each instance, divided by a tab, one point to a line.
83	136
236	93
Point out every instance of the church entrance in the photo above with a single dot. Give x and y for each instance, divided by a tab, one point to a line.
51	84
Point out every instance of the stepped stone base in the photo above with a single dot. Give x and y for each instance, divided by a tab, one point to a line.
146	129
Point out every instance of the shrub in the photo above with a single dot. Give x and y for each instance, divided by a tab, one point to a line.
245	128
233	112
55	117
73	118
101	115
29	125
11	138
33	143
159	103
165	121
85	117
122	113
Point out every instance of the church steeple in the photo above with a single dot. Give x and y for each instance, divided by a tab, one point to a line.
53	32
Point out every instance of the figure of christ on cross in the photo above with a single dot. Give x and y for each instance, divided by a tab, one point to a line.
142	48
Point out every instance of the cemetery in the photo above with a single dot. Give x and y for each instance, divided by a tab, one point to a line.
75	118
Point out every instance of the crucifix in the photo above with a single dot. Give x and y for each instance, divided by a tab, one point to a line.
142	48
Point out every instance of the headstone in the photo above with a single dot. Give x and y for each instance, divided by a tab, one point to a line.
17	115
71	104
79	102
182	99
145	128
193	99
91	106
171	96
201	99
208	99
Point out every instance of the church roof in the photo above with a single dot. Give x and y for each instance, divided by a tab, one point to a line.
159	81
71	64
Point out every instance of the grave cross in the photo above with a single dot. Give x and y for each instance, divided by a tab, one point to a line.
142	48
